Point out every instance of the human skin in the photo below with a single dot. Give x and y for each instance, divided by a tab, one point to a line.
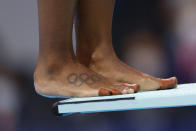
93	26
58	72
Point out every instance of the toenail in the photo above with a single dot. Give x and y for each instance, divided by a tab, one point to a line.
116	92
104	92
130	91
125	91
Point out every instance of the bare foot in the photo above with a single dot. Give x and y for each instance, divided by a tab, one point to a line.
105	63
74	80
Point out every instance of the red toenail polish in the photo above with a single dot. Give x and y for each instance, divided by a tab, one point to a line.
104	92
116	92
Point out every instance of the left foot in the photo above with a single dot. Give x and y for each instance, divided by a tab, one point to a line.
105	62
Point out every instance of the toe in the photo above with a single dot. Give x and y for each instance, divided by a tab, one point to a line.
116	92
130	91
168	83
135	87
122	90
126	90
104	92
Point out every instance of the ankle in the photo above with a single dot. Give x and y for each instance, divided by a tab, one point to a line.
53	65
95	52
103	51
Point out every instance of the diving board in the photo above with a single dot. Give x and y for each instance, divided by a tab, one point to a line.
183	95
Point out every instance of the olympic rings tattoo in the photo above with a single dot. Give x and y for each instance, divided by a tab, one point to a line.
82	78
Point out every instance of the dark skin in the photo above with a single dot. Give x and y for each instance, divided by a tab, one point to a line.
58	71
93	26
94	23
79	80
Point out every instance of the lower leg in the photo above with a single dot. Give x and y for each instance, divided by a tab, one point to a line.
94	30
55	32
55	45
93	27
58	73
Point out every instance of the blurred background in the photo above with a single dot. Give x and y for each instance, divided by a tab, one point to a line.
154	36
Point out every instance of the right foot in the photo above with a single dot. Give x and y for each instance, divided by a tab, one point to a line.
103	61
74	80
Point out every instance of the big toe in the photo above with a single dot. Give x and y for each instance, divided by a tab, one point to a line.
168	83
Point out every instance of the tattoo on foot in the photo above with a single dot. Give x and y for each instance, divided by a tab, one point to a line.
79	79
